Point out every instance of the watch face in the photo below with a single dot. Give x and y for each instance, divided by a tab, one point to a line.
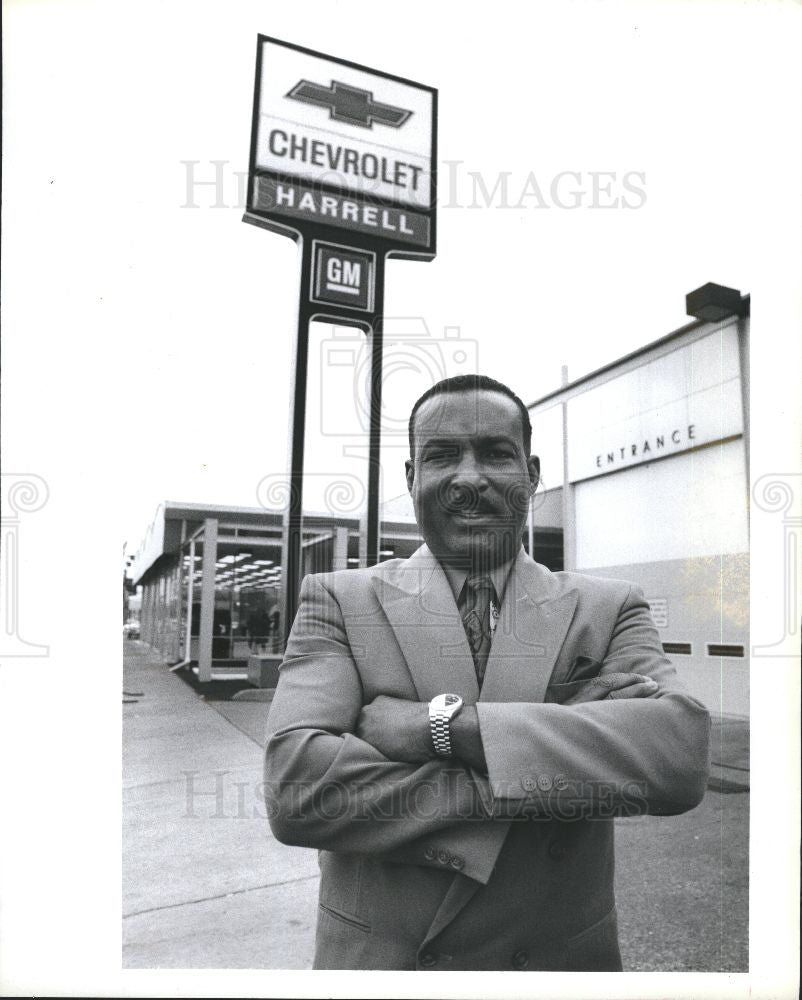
451	699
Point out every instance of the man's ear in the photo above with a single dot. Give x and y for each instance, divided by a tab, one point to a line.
409	466
533	465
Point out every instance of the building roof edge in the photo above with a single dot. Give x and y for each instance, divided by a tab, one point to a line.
645	349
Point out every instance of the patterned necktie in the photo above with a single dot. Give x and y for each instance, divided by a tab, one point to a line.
476	596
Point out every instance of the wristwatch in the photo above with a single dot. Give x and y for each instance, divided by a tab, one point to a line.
442	709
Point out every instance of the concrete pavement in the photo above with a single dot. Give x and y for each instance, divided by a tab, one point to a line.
205	884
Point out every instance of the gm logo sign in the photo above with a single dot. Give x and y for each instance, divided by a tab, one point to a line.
342	276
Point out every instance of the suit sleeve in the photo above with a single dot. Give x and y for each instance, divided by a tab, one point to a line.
611	757
326	788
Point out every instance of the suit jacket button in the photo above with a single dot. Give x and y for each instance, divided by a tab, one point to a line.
528	783
520	959
457	862
544	783
430	854
558	851
443	857
560	782
427	959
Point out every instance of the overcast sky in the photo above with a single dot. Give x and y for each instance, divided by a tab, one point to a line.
158	336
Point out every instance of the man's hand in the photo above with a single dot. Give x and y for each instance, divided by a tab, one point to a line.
610	686
397	728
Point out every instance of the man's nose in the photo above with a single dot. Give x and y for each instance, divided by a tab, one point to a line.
468	481
470	467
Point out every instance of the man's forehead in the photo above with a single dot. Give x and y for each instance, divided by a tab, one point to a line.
472	411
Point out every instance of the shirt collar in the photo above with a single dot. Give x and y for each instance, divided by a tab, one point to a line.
456	576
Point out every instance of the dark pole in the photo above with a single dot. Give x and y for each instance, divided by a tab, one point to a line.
292	534
374	433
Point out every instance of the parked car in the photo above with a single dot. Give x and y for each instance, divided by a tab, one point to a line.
131	630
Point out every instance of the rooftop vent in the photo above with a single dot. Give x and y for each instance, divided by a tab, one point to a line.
716	302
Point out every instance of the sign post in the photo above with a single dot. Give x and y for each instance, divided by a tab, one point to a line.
343	160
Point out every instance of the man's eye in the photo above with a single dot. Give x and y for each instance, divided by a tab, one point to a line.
500	452
440	455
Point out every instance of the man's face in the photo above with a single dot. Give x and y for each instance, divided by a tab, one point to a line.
470	480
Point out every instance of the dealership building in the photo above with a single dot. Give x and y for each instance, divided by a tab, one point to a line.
645	467
210	578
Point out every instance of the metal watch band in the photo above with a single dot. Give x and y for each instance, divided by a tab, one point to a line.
439	721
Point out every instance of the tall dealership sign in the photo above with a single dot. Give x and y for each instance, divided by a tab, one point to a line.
343	160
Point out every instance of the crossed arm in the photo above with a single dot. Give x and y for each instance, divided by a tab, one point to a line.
400	729
335	765
326	786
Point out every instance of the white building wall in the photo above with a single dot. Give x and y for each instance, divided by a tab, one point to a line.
693	504
547	444
671	404
657	494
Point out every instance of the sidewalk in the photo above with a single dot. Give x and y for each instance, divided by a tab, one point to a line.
205	884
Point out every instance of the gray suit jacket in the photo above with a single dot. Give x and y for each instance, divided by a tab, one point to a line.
439	866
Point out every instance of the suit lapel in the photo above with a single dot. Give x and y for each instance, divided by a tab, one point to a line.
417	601
535	617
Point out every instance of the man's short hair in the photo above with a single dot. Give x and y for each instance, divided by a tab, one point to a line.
468	383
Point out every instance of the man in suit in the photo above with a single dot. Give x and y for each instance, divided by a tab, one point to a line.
456	731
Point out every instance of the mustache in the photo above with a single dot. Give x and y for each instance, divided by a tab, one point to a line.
466	499
479	509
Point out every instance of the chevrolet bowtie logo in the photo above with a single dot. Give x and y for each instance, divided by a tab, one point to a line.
349	104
